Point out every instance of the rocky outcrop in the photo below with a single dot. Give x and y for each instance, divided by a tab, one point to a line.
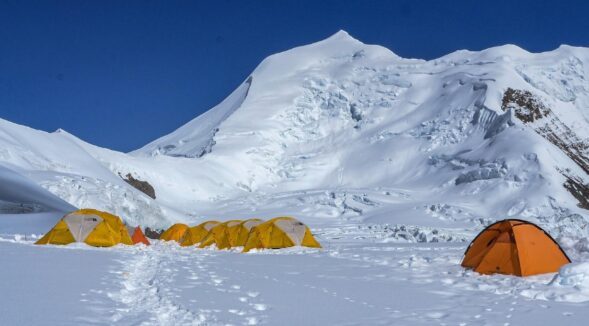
153	233
530	109
140	185
525	105
578	189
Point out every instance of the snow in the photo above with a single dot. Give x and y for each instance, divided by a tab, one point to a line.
17	189
352	281
394	163
571	284
348	119
55	286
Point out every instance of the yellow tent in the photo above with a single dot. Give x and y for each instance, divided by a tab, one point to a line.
176	232
219	235
239	233
198	233
280	232
94	227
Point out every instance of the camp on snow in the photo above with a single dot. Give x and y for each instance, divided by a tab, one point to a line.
514	247
93	227
102	229
280	232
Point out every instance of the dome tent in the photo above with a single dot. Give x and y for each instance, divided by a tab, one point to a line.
198	233
176	232
514	247
280	232
137	236
238	234
93	227
219	235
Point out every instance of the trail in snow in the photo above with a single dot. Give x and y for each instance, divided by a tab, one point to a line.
146	292
168	285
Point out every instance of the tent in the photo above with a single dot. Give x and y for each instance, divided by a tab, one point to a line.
138	236
514	247
219	235
280	232
198	233
176	232
94	227
239	233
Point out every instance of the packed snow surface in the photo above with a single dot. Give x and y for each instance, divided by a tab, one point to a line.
357	279
394	163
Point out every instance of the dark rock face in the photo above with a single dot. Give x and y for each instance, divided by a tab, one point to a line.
579	190
526	106
153	233
140	185
530	109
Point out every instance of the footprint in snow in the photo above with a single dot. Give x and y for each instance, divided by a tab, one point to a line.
436	315
236	312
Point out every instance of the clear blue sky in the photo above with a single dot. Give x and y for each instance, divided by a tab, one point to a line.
121	73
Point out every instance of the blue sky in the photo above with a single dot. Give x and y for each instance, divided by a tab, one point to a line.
121	73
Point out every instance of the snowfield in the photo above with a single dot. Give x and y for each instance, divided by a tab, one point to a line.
395	164
357	279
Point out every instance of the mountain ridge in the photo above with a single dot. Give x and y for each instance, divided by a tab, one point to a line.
340	129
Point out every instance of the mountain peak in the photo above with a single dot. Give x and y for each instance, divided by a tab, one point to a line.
341	34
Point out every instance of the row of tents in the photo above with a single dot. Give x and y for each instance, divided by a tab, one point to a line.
102	229
512	247
279	232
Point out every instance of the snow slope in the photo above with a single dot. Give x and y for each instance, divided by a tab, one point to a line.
17	190
25	207
353	131
349	128
57	163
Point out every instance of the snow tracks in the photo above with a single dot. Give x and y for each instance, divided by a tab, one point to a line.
165	284
146	292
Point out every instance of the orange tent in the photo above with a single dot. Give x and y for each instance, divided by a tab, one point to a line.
139	237
514	247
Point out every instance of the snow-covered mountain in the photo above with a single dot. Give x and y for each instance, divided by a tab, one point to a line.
341	130
56	162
